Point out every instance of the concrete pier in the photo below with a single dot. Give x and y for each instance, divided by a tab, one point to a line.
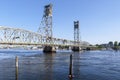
75	49
49	49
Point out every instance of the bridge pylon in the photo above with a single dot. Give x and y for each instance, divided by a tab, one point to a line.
47	27
76	46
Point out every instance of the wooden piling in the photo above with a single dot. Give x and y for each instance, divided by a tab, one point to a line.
70	67
16	65
16	61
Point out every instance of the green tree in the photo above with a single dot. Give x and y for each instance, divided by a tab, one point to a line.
99	46
110	44
115	44
116	47
119	44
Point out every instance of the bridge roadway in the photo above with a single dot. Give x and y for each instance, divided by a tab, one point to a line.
15	36
34	44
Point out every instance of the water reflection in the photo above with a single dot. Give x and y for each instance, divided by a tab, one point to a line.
76	64
48	65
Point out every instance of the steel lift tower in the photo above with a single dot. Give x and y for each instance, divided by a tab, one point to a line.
47	27
76	37
48	23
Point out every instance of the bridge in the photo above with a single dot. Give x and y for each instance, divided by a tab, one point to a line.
43	38
15	36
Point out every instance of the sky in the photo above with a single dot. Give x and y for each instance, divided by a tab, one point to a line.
99	19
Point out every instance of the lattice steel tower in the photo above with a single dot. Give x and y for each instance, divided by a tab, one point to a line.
76	33
76	37
46	24
46	29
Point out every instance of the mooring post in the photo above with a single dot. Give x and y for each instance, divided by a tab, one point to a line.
16	65
16	61
70	67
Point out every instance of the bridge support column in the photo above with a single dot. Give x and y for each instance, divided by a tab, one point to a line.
49	49
75	49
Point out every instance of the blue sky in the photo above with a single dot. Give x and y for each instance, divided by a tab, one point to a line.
99	19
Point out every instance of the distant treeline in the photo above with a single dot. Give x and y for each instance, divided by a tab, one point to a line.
110	45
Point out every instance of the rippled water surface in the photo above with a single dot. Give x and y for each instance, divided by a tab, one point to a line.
35	65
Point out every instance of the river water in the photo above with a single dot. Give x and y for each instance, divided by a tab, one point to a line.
35	65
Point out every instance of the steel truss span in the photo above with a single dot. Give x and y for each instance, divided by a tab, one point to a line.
15	36
18	36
